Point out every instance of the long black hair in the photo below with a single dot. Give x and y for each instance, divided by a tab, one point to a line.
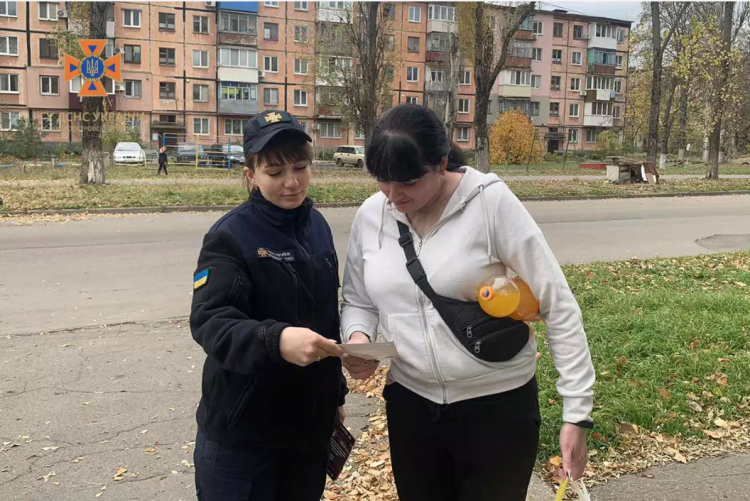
408	142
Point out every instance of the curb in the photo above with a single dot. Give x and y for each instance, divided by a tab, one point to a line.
337	205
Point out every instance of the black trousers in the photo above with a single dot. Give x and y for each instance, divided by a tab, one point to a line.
257	474
162	167
481	449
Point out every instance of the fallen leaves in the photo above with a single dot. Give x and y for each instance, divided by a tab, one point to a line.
47	476
119	474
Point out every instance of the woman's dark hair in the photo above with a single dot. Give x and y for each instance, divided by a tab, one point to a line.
285	148
408	142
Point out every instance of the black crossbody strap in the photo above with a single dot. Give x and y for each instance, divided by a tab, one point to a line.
413	265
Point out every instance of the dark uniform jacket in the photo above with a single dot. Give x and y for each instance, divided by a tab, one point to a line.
262	269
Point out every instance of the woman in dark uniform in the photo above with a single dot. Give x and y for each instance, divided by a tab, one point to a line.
265	310
163	161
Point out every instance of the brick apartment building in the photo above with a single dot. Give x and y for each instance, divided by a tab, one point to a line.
198	70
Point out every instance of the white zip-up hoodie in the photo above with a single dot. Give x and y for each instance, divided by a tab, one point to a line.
483	229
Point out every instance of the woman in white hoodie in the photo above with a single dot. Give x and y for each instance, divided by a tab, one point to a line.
461	427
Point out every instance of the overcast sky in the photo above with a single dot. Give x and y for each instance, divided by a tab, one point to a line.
627	11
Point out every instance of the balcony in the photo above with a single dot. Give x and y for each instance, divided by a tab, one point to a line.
328	15
524	35
435	26
242	39
178	124
598	120
323	111
523	91
555	136
600	69
233	74
518	62
238	107
435	86
434	56
601	42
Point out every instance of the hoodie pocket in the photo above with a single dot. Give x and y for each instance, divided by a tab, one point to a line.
408	333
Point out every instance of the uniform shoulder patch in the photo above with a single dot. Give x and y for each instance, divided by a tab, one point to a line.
200	279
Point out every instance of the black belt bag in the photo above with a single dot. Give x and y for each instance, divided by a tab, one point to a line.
486	337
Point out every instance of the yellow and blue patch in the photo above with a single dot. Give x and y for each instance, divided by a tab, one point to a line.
200	279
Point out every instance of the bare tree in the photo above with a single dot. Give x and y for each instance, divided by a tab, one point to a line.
455	65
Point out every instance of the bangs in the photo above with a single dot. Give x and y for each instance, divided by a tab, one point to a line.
285	149
394	156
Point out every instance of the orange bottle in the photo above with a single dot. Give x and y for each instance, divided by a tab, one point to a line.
500	296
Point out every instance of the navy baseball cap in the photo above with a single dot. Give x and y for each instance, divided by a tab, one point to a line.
260	129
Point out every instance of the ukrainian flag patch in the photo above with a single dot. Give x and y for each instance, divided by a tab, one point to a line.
200	279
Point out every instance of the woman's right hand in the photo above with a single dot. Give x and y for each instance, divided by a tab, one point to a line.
302	346
359	368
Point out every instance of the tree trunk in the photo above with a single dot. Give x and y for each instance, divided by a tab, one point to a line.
370	71
668	117
481	139
92	161
454	67
653	122
683	118
714	140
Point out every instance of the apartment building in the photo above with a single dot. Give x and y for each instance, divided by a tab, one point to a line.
196	71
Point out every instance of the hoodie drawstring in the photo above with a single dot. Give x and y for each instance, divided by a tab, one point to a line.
486	224
382	223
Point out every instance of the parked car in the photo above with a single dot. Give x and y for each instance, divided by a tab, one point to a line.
186	154
222	154
128	153
354	155
236	153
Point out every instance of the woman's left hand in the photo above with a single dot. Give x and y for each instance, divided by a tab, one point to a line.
342	414
574	452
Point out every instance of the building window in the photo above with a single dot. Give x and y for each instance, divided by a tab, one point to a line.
616	111
600	83
412	45
167	90
464	77
241	58
8	9
233	127
441	13
300	34
166	56
437	76
8	46
572	135
388	73
50	122
200	93
300	67
590	135
49	86
359	133
604	57
131	18
270	31
336	5
557	30
47	49
464	106
166	21
200	24
618	86
463	134
601	108
412	74
133	89
536	54
271	63
330	130
412	99
275	5
518	77
605	31
618	61
536	81
575	84
200	59
555	83
300	97
9	120
9	84
271	96
574	111
620	36
133	124
300	5
534	108
415	14
557	56
48	11
238	91
578	32
200	126
133	54
554	109
389	9
234	22
577	58
536	28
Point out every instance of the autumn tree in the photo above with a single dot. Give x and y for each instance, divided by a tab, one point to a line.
355	55
513	139
487	44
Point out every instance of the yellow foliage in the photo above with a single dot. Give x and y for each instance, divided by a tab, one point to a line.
513	139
